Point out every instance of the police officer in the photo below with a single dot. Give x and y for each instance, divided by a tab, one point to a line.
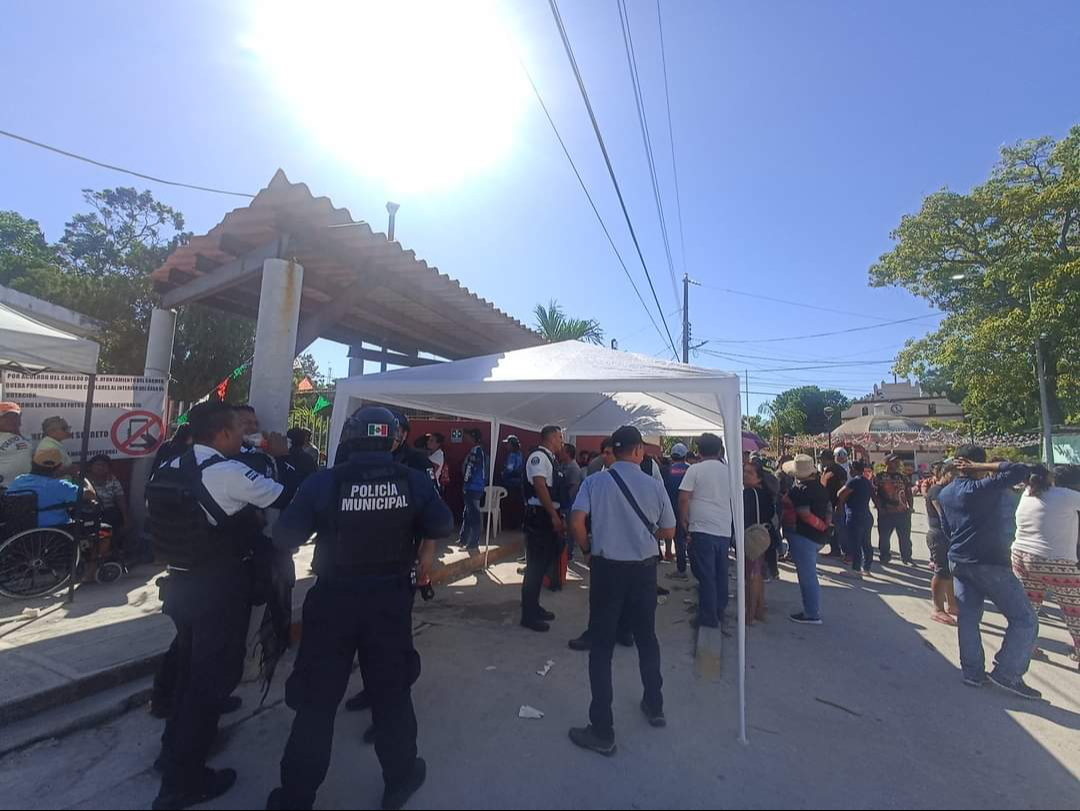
404	454
543	524
196	502
367	511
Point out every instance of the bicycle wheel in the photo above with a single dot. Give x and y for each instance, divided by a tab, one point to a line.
35	562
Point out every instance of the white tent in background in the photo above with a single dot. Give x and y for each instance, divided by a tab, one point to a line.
586	390
27	345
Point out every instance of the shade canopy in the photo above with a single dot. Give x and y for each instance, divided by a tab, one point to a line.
27	345
585	390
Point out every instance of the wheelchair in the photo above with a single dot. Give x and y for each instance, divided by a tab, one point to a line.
38	561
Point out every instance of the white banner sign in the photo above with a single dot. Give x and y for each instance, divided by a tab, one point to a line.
126	422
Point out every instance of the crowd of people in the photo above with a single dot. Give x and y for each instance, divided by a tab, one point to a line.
228	504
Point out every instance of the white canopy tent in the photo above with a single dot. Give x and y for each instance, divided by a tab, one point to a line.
27	345
586	390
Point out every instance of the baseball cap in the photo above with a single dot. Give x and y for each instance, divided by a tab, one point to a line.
512	440
840	452
626	437
10	408
679	451
48	457
892	457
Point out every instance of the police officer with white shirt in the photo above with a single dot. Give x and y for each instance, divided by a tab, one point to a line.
368	511
200	508
543	524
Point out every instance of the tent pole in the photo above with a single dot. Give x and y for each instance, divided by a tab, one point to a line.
491	483
80	523
733	435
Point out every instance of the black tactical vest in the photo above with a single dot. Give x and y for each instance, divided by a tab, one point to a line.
374	520
181	534
558	486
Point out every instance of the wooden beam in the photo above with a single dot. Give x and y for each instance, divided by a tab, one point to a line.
394	359
227	275
314	325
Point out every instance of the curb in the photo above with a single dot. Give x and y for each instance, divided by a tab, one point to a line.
109	678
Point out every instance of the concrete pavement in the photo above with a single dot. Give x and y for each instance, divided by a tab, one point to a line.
867	711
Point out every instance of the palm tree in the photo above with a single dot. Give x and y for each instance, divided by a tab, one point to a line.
555	325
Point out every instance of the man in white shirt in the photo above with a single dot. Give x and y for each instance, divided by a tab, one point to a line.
543	524
207	591
705	513
55	431
16	453
437	456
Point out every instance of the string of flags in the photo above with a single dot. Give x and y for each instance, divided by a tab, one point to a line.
221	390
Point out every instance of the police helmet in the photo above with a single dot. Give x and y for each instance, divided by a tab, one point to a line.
370	423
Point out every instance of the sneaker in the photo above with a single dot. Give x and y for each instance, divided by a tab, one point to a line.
677	575
395	798
546	615
358	702
1017	688
626	640
662	592
160	709
976	681
802	619
536	625
581	643
656	719
587	738
215	782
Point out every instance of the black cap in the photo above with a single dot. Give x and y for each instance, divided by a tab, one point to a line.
626	437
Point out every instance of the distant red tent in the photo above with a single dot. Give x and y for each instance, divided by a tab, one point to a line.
305	385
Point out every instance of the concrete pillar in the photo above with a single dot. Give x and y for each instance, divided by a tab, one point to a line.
159	354
275	342
356	363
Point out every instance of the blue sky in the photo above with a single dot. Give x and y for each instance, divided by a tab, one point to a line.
803	130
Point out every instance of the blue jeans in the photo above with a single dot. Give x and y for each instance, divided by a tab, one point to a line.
805	553
975	583
708	562
471	521
840	540
859	544
680	549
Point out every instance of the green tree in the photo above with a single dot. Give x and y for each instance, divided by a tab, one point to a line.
802	410
101	267
1003	262
761	425
555	325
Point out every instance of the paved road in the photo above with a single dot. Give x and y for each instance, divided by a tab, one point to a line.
866	711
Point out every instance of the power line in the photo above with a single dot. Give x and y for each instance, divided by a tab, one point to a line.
93	162
588	196
794	303
607	160
671	137
646	137
821	334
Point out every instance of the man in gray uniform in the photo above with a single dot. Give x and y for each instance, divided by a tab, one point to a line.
630	512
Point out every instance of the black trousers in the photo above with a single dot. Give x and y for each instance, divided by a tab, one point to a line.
541	550
618	587
887	522
210	611
343	618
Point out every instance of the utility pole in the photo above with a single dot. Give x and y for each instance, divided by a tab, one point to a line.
1044	405
686	318
746	379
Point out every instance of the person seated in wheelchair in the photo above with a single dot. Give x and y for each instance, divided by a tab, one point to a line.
55	495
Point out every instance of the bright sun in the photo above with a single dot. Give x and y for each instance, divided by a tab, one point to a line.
419	95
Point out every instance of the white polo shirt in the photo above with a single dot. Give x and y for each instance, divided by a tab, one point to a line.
16	454
539	464
233	485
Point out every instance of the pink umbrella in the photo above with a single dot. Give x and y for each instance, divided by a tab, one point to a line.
752	442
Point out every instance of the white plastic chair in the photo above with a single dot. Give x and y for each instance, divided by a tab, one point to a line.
492	507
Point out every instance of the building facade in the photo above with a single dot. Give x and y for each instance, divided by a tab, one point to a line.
903	399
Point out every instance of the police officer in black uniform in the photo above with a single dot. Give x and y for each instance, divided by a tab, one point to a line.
367	512
198	504
416	459
543	523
